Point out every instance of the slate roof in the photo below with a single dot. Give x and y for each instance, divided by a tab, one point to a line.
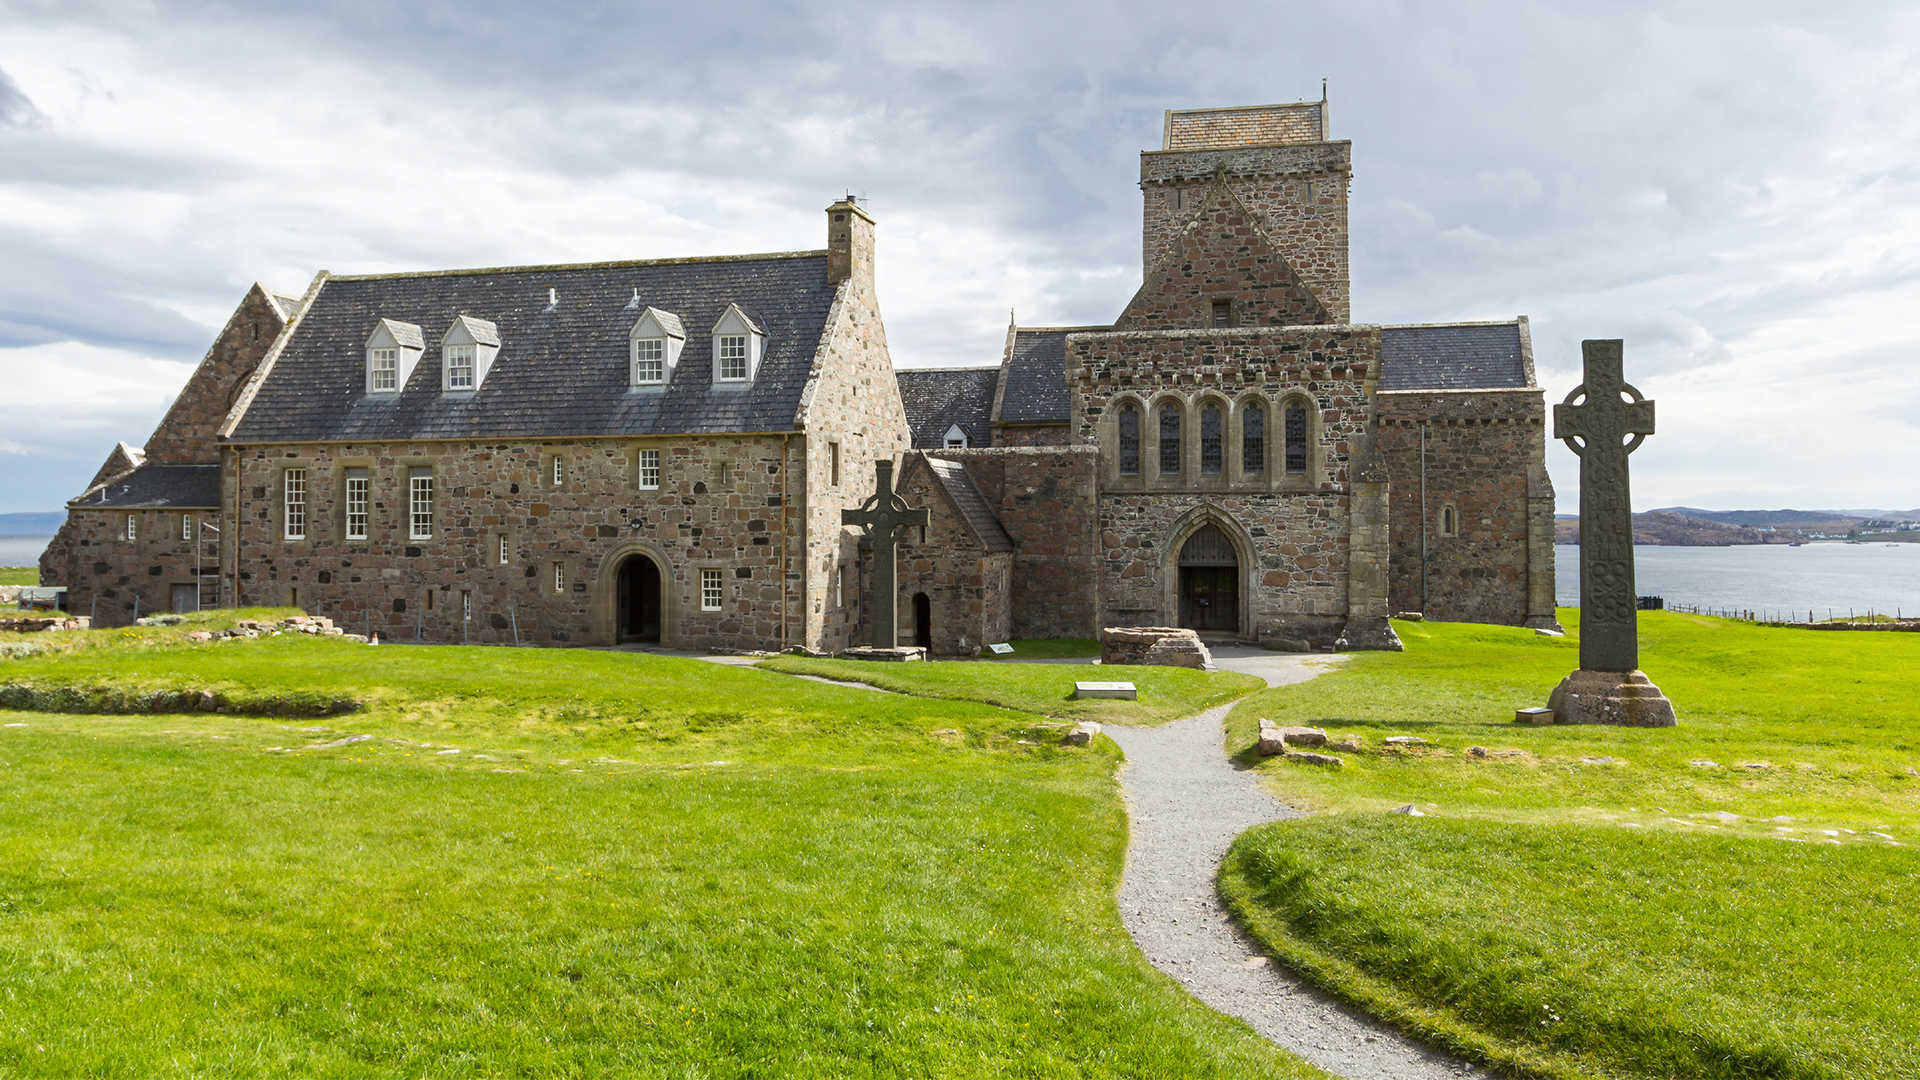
953	478
1036	376
938	398
188	486
562	369
1458	356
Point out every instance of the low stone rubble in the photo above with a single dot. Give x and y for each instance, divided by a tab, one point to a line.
1080	734
41	625
1162	646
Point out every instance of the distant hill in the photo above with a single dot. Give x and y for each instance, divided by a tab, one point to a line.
1666	528
1804	520
32	524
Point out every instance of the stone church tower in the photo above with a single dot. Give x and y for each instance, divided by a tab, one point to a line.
1237	455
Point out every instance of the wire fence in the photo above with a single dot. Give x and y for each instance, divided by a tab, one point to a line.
1796	616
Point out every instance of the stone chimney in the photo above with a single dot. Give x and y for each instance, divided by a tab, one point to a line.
849	243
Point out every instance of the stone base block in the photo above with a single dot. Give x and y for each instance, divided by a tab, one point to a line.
1368	633
1622	699
894	655
1545	622
1164	646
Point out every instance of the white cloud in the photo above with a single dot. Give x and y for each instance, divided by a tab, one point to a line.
1728	186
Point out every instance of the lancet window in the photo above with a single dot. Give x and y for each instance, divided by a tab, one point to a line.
1170	439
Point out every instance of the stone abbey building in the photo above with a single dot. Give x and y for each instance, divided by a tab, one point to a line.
660	451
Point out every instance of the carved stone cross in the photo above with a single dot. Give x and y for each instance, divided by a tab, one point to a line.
1614	420
879	516
1609	638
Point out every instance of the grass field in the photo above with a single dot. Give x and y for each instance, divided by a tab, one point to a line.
19	575
565	862
1734	897
1047	689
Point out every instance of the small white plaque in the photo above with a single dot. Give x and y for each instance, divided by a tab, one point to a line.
1001	649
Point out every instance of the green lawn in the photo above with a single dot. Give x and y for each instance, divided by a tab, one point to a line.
19	575
1165	693
1600	901
565	862
1047	649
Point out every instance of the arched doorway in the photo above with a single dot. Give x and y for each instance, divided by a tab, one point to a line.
922	621
1209	582
637	610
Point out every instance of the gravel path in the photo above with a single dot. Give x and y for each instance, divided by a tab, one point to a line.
1187	802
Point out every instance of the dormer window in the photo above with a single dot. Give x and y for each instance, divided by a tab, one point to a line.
467	351
392	351
657	338
738	344
459	367
956	438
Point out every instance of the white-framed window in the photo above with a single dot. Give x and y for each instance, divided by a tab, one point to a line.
559	470
649	361
957	438
383	369
357	488
559	577
649	470
506	554
133	526
712	590
732	352
420	503
186	526
294	505
459	367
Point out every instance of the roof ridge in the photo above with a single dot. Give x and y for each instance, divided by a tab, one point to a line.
604	265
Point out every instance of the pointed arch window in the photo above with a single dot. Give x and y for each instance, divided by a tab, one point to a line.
1170	439
1253	439
1296	438
1129	440
1212	439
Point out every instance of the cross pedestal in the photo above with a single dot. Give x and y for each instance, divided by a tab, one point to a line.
1611	423
882	514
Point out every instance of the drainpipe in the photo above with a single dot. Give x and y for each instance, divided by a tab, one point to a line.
1423	518
786	600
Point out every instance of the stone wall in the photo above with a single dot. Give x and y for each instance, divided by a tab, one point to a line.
851	411
1221	256
1245	125
968	588
1048	435
1301	191
717	507
186	435
110	577
1485	461
1047	499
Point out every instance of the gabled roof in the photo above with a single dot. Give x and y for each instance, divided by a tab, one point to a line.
667	321
1455	356
1222	252
1034	375
122	460
952	480
191	487
403	334
288	305
938	398
480	330
562	368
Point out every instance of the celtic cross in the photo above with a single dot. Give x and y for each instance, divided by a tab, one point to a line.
879	516
1598	432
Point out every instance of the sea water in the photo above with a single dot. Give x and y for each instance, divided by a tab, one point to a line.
22	550
1774	579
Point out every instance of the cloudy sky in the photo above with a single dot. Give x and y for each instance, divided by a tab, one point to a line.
1731	187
